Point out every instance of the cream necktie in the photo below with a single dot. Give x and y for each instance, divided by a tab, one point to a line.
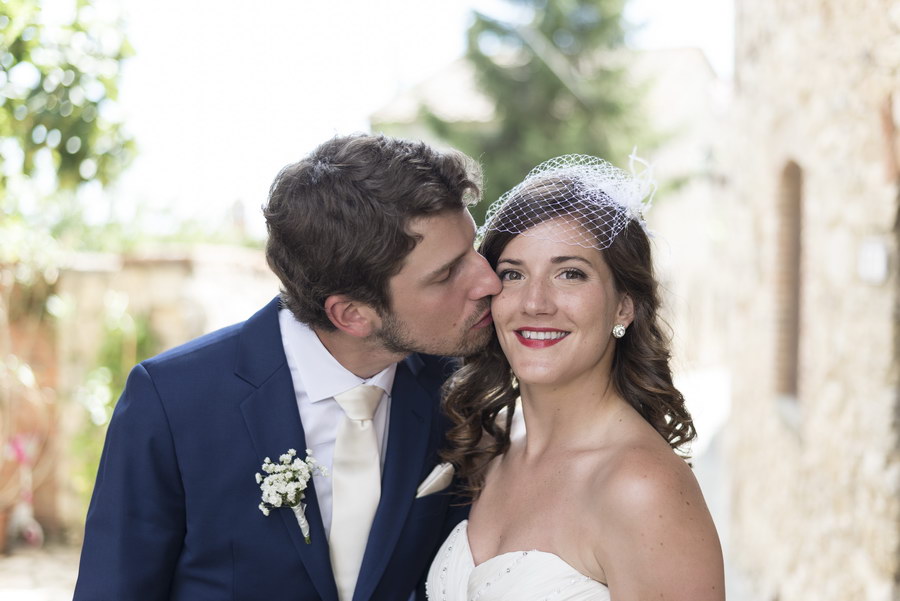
356	482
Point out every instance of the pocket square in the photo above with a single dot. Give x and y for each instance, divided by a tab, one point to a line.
439	479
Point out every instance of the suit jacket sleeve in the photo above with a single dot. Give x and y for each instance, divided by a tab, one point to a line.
136	521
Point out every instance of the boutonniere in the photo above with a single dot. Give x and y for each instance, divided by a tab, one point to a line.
284	483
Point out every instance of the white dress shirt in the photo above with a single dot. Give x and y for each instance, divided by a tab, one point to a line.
317	377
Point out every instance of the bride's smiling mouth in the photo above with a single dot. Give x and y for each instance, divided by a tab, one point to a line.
539	337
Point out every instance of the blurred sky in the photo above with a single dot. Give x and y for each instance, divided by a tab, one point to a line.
221	94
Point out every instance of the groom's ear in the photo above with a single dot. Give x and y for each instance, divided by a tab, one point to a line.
351	316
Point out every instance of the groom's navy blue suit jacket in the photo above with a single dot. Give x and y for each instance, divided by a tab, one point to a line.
175	514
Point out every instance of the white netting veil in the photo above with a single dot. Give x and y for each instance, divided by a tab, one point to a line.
595	197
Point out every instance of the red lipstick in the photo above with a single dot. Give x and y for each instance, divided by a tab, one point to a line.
542	342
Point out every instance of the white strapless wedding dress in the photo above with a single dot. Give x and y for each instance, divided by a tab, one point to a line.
515	576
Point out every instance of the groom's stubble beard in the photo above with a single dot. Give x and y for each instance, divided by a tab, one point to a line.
394	336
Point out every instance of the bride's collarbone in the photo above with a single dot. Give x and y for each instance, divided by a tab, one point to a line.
525	511
549	505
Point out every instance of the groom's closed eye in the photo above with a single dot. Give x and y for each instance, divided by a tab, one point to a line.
445	272
443	277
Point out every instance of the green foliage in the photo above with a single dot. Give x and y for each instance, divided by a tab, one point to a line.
58	85
126	340
559	87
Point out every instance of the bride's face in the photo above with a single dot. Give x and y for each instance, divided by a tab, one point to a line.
555	313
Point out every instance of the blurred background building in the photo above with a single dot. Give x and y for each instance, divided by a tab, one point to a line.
812	167
775	229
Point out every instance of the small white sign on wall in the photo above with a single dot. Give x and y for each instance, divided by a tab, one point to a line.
872	260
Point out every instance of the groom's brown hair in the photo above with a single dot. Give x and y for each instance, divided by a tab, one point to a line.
338	219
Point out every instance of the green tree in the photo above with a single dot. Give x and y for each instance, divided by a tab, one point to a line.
59	75
559	86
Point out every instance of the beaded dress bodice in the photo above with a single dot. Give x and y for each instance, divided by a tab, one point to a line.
516	576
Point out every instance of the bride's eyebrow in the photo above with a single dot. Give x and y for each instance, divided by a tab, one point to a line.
553	260
564	259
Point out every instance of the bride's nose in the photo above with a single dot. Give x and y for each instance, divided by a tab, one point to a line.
538	298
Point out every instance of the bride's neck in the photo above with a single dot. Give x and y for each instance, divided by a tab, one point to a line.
566	417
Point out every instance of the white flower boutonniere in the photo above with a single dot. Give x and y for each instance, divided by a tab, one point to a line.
284	483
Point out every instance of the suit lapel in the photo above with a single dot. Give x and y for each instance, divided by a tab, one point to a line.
273	422
412	409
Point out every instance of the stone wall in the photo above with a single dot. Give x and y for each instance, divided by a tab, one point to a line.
816	476
184	292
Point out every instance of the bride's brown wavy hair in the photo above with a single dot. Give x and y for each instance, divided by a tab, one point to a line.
480	397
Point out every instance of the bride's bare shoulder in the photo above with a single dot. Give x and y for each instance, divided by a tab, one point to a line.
653	525
649	469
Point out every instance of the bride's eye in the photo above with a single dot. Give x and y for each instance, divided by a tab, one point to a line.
573	274
509	274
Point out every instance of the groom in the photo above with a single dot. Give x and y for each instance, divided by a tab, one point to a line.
373	244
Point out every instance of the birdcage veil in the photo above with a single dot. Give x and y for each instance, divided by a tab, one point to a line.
595	197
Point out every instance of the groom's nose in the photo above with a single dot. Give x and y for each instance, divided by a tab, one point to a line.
486	283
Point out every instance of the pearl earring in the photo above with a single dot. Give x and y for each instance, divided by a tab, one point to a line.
618	330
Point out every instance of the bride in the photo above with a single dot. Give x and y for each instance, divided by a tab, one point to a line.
589	500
